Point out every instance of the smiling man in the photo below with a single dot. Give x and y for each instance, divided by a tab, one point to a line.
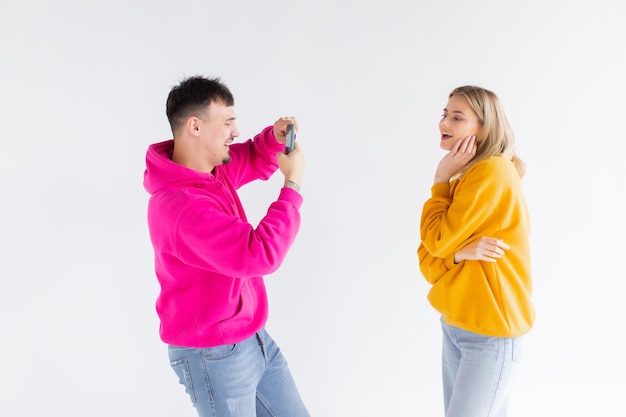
210	261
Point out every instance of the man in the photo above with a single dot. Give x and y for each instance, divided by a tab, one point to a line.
210	261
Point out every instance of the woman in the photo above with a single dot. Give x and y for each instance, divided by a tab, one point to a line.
474	251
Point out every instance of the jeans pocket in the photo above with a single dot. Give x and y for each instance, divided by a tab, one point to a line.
217	353
181	368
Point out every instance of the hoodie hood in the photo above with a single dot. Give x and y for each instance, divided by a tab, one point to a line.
162	173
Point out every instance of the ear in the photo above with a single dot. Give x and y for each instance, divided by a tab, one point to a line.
193	126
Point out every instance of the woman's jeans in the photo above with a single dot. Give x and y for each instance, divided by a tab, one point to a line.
478	372
247	379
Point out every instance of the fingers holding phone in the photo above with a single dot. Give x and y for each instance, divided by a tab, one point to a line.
281	126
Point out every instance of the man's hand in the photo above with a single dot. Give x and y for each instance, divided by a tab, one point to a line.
292	166
462	152
280	127
488	249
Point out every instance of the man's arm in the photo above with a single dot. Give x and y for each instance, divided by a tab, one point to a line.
210	239
254	159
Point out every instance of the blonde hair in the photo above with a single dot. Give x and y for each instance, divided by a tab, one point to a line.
496	136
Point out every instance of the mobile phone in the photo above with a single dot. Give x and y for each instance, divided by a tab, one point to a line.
290	138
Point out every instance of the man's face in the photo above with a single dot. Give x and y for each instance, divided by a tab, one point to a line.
217	131
458	121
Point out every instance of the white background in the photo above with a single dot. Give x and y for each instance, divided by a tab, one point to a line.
83	88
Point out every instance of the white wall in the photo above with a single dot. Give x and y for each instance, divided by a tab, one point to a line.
83	87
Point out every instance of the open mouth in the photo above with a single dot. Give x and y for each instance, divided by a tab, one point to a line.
445	135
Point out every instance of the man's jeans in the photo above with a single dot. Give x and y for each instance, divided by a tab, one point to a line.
478	372
247	379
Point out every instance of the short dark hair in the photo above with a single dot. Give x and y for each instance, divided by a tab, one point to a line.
192	96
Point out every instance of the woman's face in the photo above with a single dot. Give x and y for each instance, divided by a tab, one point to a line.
458	121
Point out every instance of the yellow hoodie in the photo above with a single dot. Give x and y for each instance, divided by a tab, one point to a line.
492	299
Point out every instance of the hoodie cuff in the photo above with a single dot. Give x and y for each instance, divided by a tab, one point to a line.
449	261
292	196
270	139
440	190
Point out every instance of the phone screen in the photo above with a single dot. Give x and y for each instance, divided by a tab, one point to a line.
290	138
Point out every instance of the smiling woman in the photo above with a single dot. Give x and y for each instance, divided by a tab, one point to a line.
475	253
458	121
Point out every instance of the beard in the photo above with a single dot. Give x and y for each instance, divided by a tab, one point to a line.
226	160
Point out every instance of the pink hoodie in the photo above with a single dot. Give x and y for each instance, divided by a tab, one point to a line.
208	259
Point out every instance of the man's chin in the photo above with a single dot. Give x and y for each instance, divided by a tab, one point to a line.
226	160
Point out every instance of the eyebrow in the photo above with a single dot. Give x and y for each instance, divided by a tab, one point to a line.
456	111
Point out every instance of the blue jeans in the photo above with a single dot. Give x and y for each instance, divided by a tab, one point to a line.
247	379
478	372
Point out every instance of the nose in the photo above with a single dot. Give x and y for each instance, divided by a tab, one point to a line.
235	131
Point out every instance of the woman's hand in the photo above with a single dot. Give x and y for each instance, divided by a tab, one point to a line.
462	152
488	249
